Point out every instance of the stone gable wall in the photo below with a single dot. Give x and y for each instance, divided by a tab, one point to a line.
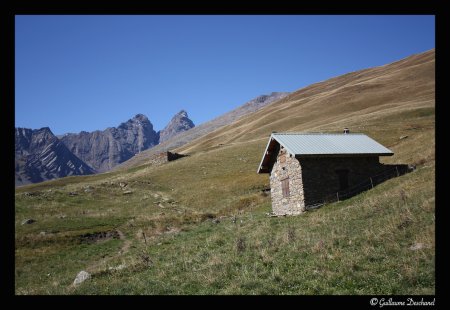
294	204
312	179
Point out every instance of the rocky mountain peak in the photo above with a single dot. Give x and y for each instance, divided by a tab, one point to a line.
182	113
137	120
103	150
140	117
42	137
179	123
40	156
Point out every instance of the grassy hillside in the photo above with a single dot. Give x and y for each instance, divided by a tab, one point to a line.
350	100
198	225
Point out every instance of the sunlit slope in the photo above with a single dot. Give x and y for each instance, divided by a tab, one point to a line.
350	100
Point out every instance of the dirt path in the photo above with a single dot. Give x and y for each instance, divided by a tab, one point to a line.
123	250
125	246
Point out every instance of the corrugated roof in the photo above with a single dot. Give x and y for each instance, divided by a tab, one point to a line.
320	144
325	144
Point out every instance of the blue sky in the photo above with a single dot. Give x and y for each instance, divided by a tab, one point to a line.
88	72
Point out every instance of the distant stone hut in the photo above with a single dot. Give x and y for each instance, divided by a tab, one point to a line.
164	157
307	167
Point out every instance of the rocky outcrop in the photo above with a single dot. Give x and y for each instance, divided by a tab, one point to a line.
40	156
178	124
103	150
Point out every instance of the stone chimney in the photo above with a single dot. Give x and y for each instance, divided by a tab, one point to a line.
346	130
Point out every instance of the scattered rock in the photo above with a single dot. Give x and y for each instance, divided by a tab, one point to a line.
172	230
417	246
123	184
120	267
216	221
127	192
42	233
31	194
81	277
73	194
88	189
61	216
403	137
28	221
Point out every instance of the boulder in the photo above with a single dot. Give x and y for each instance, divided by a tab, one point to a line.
28	221
81	277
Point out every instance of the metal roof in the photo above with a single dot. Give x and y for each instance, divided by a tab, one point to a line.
323	144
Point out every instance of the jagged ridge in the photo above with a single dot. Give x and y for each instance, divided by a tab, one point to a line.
40	156
103	150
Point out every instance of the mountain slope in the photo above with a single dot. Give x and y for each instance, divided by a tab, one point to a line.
197	225
336	103
205	128
40	156
103	150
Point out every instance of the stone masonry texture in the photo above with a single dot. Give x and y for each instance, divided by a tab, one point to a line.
311	179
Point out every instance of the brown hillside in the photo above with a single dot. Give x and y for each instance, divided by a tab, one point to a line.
345	101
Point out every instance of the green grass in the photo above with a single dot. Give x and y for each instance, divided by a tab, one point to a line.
359	246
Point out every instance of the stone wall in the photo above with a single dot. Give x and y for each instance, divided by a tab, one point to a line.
312	179
294	203
321	180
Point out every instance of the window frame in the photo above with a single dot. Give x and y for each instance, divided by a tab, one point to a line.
285	190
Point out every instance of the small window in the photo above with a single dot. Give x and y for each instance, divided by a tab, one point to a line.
285	187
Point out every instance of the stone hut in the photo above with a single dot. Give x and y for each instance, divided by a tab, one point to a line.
305	168
164	157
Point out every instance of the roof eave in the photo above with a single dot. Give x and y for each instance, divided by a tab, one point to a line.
272	137
264	156
290	151
344	155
